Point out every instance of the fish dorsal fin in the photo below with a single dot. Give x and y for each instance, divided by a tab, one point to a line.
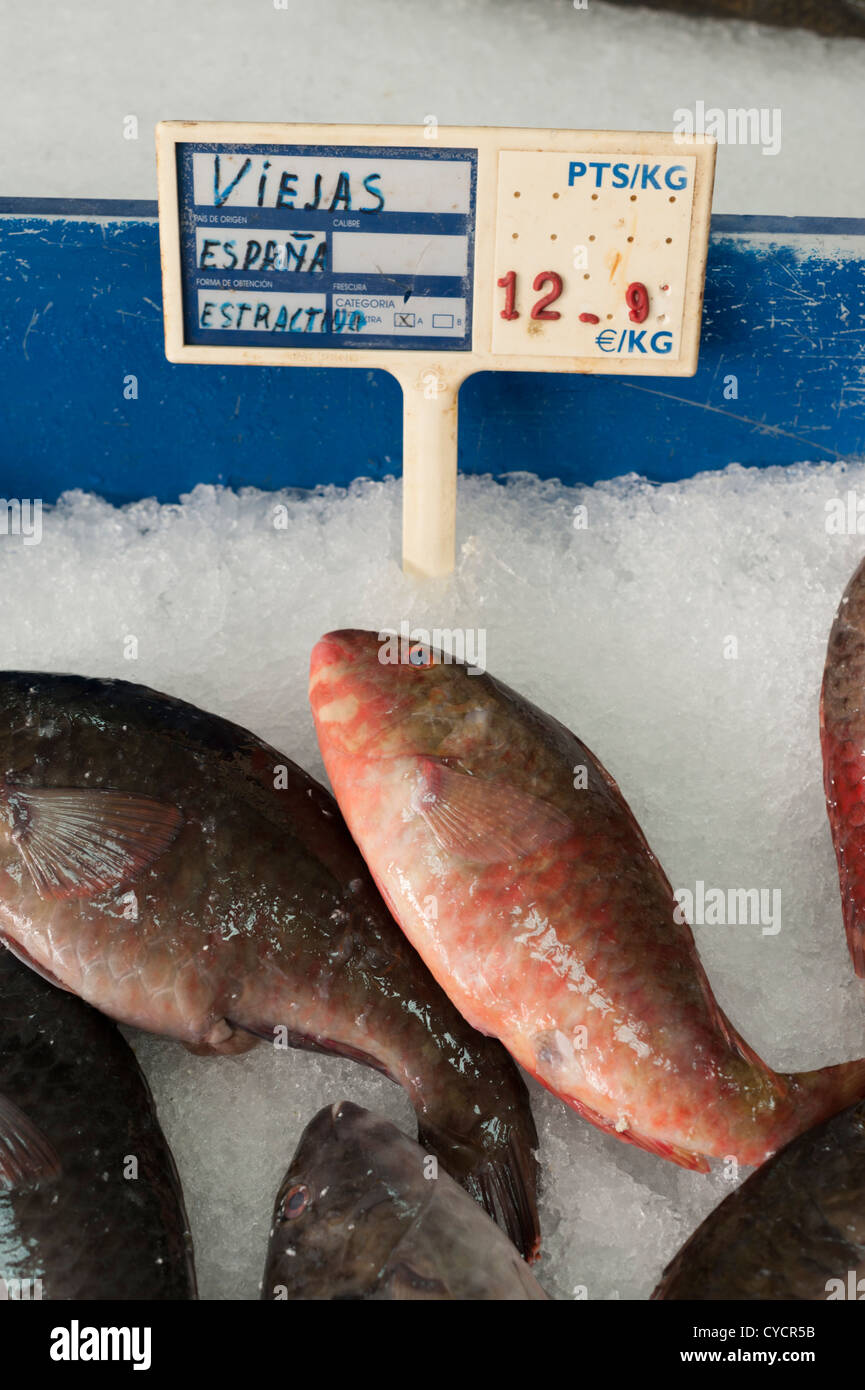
26	1156
81	841
482	821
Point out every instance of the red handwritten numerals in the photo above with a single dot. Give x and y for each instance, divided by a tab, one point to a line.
508	283
637	300
540	310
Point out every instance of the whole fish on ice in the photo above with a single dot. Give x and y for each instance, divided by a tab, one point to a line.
360	1215
794	1230
185	878
555	929
842	736
90	1200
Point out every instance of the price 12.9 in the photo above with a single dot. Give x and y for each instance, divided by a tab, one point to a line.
636	298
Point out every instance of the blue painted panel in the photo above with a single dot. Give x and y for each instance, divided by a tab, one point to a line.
781	315
80	311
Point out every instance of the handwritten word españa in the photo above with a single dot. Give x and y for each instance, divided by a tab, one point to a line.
290	251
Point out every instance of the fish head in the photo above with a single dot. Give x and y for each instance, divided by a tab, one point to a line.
379	695
342	1206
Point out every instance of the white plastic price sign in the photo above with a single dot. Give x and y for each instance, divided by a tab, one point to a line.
433	253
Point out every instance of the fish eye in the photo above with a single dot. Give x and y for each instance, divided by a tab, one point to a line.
420	657
296	1201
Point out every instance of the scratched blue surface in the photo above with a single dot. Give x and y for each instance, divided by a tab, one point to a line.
80	312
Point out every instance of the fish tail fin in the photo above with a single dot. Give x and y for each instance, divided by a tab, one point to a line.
818	1095
506	1187
26	1154
503	1180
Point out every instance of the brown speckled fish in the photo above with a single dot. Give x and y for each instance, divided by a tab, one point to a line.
90	1200
178	873
538	905
842	736
794	1230
362	1213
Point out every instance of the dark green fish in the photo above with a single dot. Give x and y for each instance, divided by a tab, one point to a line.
364	1213
839	18
185	878
90	1200
794	1230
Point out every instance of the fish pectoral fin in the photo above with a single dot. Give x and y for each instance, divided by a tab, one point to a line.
483	821
223	1040
80	841
26	1155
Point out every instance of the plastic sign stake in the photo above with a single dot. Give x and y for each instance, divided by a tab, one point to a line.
433	254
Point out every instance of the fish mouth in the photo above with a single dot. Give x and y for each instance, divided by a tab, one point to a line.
333	686
342	647
352	708
360	710
322	1144
333	1134
331	1122
344	1110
